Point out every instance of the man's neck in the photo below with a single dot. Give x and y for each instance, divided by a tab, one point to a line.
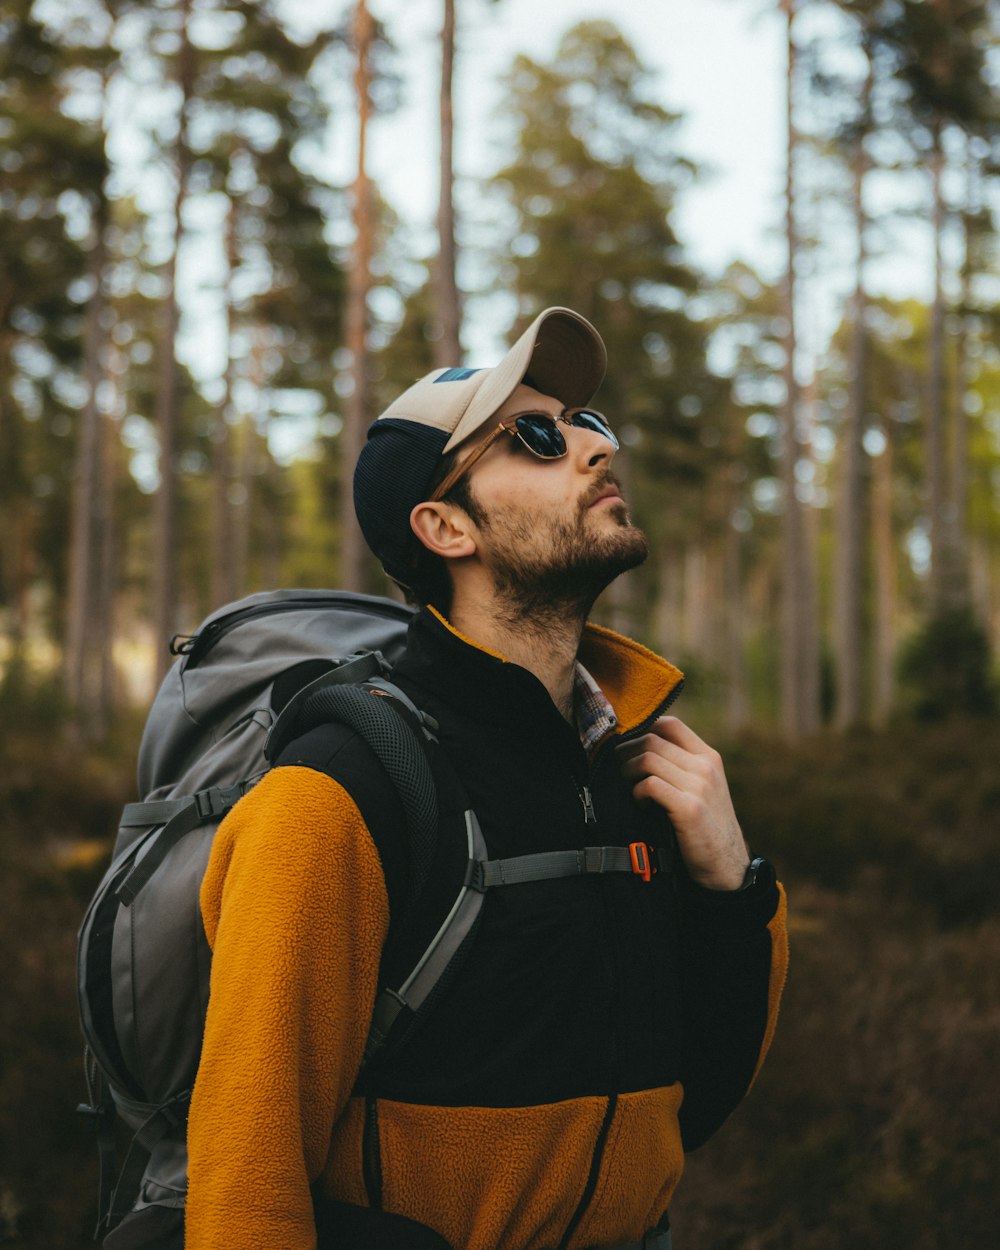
545	645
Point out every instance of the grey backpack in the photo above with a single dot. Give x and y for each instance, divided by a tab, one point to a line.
256	674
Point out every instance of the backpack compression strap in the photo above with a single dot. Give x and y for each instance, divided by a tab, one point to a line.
178	817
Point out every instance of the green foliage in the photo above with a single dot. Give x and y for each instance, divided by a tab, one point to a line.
939	53
29	700
592	188
53	168
946	668
409	354
593	175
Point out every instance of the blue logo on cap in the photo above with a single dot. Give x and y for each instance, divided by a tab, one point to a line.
456	375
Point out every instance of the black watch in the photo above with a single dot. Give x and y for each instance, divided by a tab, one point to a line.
760	871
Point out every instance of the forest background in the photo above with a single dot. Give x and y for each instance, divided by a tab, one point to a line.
815	456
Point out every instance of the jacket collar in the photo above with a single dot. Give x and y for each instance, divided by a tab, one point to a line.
484	684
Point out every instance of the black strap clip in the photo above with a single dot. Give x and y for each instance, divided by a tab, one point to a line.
218	800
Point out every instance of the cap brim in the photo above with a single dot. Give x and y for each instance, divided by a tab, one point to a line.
561	352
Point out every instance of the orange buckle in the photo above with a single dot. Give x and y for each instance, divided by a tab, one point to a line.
642	863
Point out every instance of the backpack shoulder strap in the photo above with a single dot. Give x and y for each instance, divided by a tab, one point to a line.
393	729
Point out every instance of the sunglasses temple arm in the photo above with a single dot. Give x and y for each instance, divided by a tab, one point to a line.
465	465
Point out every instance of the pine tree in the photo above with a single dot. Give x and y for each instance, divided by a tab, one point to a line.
800	692
938	52
591	189
447	335
53	170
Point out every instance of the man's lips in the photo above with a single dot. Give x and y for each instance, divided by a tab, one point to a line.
607	495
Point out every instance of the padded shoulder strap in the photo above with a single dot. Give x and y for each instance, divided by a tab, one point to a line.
387	728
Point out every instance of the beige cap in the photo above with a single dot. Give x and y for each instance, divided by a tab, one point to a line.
560	352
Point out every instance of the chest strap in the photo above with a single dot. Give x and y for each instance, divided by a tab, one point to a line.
638	857
482	874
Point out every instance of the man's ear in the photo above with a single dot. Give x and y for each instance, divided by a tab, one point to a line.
443	529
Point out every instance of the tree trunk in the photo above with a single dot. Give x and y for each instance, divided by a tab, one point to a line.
165	539
20	548
848	564
105	632
241	505
356	407
272	538
799	680
884	553
737	696
698	622
223	587
982	581
937	476
958	589
80	656
245	498
447	345
734	602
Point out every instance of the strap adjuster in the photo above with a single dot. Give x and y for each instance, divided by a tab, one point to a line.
218	800
475	876
641	855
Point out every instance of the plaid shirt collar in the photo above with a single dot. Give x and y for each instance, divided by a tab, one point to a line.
595	717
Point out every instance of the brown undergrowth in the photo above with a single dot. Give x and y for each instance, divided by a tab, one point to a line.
876	1120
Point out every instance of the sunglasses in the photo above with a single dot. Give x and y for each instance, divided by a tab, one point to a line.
540	434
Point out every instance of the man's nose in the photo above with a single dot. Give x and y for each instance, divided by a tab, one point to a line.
589	447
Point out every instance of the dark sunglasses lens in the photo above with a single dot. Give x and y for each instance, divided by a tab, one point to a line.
541	436
593	421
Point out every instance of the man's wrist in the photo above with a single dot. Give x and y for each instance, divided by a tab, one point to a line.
755	876
724	880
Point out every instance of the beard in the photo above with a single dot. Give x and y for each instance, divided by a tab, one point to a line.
556	576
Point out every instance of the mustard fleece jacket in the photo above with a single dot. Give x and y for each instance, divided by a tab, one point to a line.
296	911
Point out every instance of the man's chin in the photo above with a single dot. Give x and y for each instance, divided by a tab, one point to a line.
628	542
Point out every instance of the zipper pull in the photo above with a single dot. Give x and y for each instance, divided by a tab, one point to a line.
586	798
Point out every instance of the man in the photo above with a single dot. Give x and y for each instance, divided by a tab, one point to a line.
594	1026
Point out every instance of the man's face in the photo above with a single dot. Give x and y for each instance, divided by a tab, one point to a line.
551	532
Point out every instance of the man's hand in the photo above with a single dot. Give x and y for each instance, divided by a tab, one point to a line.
672	767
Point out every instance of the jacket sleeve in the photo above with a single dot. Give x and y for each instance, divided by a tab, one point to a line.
735	958
295	910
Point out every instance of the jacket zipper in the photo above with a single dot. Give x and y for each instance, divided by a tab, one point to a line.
587	801
643	726
583	789
590	817
371	1154
595	1169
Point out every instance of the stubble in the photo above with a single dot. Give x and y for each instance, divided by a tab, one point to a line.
557	586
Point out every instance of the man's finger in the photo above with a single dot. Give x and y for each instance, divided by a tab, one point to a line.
654	744
674	730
